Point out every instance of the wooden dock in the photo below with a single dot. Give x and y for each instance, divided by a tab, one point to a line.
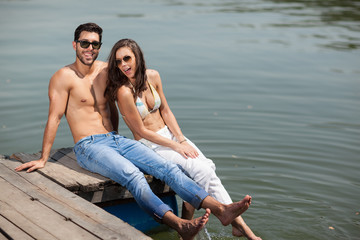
60	201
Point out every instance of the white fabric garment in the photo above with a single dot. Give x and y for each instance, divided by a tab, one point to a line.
200	169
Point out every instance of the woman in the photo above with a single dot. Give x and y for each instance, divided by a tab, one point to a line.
142	103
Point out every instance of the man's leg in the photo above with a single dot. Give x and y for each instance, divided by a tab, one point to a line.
99	154
187	229
95	155
150	162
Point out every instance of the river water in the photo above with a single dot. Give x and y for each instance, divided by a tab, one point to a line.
270	90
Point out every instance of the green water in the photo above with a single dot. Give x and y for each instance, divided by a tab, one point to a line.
270	90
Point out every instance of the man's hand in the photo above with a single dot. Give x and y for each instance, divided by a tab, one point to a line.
33	165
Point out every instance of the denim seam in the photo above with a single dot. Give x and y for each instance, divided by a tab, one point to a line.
196	197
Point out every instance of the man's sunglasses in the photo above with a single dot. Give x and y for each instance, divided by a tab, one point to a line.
86	44
125	59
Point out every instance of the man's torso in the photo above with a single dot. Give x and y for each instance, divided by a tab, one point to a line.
87	110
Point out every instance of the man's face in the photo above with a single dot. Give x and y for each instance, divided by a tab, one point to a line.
87	55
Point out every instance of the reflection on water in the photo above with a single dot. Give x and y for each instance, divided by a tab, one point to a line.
329	15
267	89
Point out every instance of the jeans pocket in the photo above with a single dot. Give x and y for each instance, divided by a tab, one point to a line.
82	147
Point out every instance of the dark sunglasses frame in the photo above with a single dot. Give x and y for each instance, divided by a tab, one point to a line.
125	59
85	44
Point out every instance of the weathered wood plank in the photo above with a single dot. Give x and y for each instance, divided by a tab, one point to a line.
16	232
77	179
63	169
89	180
53	171
2	237
37	215
77	209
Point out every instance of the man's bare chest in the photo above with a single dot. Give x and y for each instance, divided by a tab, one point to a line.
82	94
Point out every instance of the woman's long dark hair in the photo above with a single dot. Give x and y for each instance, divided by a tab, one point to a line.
116	78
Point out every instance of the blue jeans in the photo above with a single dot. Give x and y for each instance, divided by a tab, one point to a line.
123	160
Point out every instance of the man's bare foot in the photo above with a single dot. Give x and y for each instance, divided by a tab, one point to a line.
251	236
231	211
190	228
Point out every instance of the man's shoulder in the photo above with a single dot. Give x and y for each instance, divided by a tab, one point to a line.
101	73
100	65
101	62
64	77
65	71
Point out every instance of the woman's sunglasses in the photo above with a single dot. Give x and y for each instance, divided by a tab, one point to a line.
125	59
86	44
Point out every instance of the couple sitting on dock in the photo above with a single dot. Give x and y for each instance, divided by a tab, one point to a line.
86	92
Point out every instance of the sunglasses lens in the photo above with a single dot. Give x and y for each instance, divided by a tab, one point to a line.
84	44
127	58
96	45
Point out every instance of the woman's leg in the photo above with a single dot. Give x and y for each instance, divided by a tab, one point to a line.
151	163
187	211
202	171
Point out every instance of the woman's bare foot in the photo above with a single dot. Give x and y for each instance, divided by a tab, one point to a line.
187	211
251	236
231	211
190	228
236	232
241	229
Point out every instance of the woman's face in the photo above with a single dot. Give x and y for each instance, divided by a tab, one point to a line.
126	62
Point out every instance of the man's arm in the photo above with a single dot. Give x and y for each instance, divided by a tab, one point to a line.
107	108
58	96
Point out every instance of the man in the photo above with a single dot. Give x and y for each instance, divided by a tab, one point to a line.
77	90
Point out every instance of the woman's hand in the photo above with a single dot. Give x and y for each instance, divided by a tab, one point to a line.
186	150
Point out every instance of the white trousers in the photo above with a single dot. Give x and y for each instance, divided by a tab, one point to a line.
200	169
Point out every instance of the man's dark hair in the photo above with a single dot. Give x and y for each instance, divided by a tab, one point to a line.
88	27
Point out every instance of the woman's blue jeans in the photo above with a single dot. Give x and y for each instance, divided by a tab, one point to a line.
124	161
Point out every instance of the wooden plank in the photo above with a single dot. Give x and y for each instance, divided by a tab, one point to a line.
2	237
66	157
8	227
73	207
72	179
19	220
52	171
63	169
35	215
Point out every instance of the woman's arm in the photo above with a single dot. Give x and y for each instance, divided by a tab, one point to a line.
168	116
133	120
